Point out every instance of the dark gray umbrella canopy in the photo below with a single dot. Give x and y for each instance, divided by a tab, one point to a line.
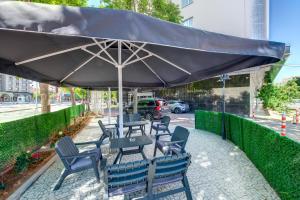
47	43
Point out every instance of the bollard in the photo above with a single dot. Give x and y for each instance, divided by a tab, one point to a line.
283	124
253	115
297	117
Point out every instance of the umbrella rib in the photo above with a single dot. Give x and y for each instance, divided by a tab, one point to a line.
98	56
146	64
80	66
104	49
139	59
133	54
163	59
87	61
57	53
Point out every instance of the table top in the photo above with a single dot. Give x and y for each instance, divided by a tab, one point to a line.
135	123
130	142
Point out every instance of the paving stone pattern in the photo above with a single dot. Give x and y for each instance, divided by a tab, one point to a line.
219	171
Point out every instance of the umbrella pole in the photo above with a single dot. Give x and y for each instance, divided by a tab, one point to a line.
109	105
120	88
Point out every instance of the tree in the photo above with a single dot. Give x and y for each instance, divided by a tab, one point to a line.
80	3
277	97
163	9
44	92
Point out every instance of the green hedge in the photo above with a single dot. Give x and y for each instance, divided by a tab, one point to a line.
21	135
276	157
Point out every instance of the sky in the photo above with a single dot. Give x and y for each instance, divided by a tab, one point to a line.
285	27
93	3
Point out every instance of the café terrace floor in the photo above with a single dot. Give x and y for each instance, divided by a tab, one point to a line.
219	171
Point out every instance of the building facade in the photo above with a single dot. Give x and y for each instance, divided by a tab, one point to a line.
241	18
15	89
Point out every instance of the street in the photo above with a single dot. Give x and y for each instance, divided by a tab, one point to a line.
10	112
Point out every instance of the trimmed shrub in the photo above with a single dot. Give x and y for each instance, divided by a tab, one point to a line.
276	157
20	135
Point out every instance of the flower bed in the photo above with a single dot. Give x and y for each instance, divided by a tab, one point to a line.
29	162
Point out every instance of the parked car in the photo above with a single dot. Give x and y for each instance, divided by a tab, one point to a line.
177	106
149	108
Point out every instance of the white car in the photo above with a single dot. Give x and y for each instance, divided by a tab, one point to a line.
177	106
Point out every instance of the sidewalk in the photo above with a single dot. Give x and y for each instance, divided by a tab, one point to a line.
292	130
219	170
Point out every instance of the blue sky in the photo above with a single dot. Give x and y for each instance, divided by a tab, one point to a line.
285	27
94	3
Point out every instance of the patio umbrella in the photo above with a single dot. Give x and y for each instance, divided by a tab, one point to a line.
97	48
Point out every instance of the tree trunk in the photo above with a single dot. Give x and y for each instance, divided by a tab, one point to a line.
72	96
44	91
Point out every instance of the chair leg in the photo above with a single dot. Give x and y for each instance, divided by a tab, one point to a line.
187	188
150	130
62	177
155	149
95	166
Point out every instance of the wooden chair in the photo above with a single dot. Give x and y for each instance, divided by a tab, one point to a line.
161	125
174	145
74	161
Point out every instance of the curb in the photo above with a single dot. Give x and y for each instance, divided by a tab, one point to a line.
21	190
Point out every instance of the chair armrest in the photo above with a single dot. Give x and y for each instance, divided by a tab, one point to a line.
81	155
161	134
114	124
161	124
90	142
169	143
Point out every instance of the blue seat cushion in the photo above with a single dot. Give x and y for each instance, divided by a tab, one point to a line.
126	189
81	163
160	127
164	147
166	180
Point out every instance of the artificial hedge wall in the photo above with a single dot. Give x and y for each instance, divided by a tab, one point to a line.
20	135
276	157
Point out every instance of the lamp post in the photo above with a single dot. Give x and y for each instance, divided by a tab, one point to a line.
223	79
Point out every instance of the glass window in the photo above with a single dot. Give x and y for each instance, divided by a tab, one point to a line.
186	3
188	22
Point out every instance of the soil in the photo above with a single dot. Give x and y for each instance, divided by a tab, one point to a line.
13	180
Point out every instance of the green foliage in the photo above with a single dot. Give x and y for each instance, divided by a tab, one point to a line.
22	162
80	3
272	73
276	97
25	134
162	9
276	157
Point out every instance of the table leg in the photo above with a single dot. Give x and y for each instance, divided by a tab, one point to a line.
142	129
141	148
117	158
129	132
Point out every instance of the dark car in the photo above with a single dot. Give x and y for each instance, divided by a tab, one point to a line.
149	108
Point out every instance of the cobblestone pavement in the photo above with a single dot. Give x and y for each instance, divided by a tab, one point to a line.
219	171
292	130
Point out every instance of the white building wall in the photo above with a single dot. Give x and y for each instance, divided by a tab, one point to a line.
241	18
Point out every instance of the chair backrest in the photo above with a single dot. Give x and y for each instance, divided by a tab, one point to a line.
66	147
125	118
105	131
168	167
166	120
135	117
124	178
180	134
